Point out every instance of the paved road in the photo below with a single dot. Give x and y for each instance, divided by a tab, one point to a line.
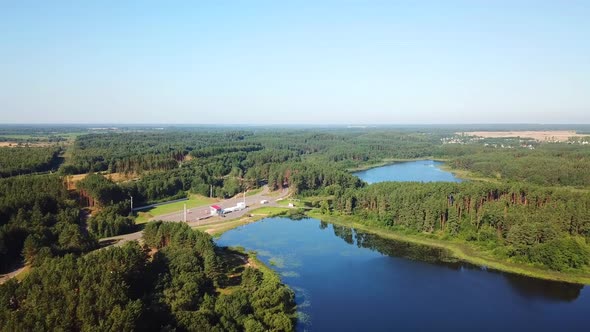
197	216
203	212
201	215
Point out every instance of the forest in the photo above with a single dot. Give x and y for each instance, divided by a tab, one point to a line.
552	164
39	216
173	163
25	160
172	283
531	207
526	223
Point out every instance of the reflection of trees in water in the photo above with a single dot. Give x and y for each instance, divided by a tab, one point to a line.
394	248
537	288
406	250
344	233
524	286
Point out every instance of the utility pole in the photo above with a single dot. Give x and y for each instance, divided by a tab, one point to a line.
185	213
210	191
131	205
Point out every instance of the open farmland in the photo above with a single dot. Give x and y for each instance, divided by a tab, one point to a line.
543	136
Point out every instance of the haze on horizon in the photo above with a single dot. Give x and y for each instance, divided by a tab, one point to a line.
309	62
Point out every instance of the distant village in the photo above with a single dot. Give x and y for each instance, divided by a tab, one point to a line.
510	142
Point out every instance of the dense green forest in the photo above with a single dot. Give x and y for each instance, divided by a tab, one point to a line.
38	215
552	164
24	160
526	211
173	163
111	220
98	190
171	284
527	223
136	152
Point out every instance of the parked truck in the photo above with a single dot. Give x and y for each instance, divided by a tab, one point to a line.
238	207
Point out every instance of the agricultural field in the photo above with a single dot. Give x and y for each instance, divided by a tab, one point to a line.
541	136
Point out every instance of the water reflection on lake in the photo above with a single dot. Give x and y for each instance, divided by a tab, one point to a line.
420	171
346	280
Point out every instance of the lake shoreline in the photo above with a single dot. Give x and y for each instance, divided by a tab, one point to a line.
387	162
458	173
460	251
217	229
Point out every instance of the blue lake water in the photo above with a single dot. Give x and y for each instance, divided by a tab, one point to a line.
421	171
347	280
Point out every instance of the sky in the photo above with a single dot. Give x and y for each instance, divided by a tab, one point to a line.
295	62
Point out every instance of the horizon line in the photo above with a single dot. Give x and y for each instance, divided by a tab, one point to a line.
289	124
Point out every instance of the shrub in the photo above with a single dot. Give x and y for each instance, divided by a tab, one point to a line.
560	254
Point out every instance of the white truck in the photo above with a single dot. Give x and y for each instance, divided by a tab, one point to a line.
238	207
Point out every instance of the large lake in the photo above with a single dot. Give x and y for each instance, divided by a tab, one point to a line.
346	280
421	171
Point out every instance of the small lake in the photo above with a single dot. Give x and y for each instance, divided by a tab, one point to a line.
347	280
420	171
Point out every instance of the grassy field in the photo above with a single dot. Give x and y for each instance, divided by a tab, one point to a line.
254	192
466	175
193	202
216	230
70	136
286	202
461	251
269	210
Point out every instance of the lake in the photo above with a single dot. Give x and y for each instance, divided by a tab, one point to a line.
347	280
420	170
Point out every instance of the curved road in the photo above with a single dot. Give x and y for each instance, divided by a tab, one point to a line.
201	215
196	216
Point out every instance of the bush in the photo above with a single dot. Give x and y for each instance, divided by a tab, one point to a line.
560	254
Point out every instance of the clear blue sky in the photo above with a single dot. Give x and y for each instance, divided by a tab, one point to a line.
261	62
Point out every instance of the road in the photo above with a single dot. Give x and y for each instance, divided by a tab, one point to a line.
203	212
197	216
202	215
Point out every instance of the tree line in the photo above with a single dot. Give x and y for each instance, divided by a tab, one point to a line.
527	223
549	164
39	216
170	284
25	160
